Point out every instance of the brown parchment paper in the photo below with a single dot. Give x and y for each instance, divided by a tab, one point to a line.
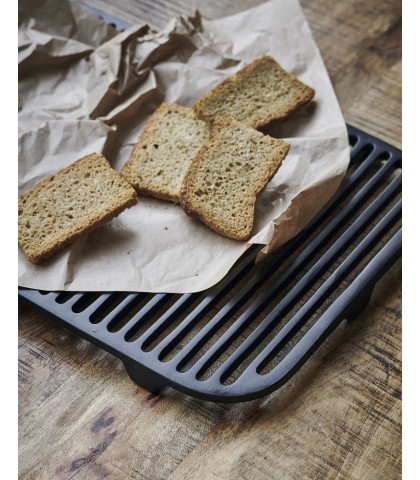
84	87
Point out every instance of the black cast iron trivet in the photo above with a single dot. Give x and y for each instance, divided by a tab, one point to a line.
246	336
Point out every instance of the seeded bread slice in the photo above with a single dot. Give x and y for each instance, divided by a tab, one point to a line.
226	177
167	146
65	206
259	95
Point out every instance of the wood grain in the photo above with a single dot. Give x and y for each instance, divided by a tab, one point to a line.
81	417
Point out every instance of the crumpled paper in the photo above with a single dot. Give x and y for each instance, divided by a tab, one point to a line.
84	87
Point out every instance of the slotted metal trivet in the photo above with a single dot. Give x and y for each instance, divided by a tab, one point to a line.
249	334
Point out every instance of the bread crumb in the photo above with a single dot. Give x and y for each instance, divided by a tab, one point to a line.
55	213
259	95
228	174
167	146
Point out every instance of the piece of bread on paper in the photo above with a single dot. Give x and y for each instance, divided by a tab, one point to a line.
259	95
228	174
167	146
65	206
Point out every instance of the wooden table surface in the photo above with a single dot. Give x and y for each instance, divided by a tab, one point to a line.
81	417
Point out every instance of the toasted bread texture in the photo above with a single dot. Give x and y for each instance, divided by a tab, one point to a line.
65	206
167	146
228	174
259	95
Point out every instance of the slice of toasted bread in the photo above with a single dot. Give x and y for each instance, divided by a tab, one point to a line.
65	206
259	95
167	146
226	177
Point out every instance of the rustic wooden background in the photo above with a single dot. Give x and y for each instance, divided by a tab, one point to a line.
81	417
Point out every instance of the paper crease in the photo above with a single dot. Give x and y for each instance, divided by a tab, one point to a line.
92	89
